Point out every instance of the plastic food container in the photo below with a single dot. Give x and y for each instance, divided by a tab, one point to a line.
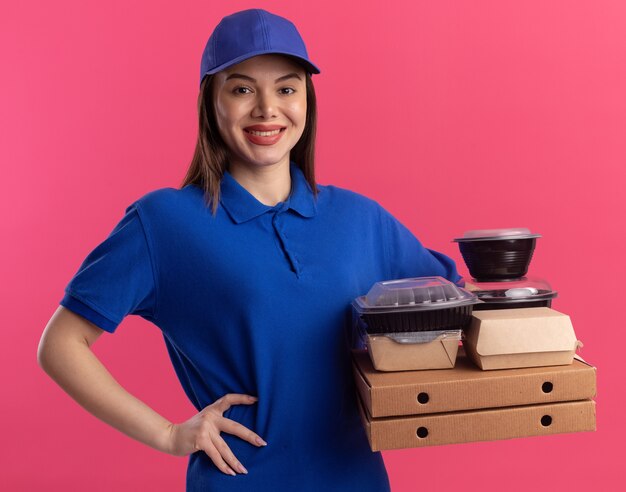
410	351
497	254
415	304
519	293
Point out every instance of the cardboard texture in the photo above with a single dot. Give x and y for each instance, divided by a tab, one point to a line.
389	355
466	387
524	337
478	425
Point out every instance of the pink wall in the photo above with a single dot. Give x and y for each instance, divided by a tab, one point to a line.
453	115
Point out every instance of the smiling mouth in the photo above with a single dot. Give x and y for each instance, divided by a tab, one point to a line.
265	134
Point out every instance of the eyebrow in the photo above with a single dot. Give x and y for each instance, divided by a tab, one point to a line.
279	79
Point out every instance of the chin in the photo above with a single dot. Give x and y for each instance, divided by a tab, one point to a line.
267	160
252	163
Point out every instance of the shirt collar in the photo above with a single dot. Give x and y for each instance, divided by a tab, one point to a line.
242	206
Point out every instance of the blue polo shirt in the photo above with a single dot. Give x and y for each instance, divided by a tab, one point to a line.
257	300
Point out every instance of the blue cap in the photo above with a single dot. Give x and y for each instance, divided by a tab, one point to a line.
249	33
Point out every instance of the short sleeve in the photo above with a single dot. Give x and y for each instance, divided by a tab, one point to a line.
408	258
117	278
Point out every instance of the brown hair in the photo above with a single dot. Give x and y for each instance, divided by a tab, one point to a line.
210	158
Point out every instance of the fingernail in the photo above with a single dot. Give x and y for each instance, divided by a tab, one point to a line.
260	442
232	472
242	469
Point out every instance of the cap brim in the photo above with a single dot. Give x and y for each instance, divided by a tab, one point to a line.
310	67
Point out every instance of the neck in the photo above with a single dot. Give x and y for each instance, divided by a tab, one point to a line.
268	184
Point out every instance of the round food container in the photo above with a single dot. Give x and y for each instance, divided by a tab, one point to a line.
415	304
497	254
520	293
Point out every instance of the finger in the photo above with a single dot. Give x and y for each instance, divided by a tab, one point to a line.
217	459
227	455
226	401
241	431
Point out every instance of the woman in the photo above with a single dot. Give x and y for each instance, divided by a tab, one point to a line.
248	270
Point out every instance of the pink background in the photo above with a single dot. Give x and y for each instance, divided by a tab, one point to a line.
453	115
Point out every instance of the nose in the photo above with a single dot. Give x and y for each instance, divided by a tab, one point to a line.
265	107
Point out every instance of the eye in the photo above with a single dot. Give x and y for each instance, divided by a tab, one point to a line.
242	90
287	90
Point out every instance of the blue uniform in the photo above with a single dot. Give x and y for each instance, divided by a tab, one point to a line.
256	300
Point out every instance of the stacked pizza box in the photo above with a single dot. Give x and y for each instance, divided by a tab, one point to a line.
516	375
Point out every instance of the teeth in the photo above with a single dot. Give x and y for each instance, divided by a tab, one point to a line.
264	134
